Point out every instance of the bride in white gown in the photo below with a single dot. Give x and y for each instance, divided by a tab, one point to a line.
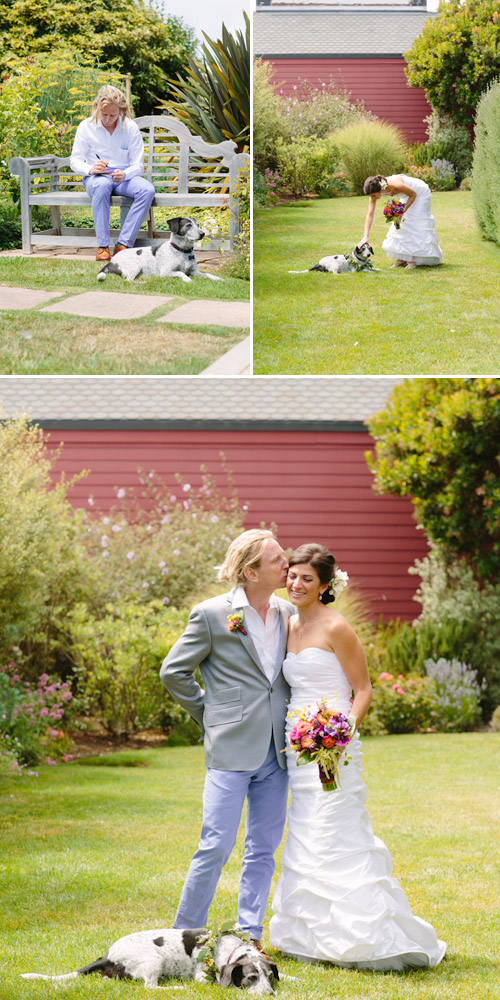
336	900
415	243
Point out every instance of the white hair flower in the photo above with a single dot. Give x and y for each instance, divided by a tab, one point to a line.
383	184
339	580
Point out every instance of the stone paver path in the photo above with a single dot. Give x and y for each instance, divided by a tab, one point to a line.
206	312
109	305
24	298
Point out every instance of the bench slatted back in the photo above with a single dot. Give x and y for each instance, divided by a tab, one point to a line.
175	161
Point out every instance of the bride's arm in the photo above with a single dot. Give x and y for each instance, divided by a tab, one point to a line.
404	189
351	655
368	221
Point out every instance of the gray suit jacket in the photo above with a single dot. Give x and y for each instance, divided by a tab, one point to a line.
239	710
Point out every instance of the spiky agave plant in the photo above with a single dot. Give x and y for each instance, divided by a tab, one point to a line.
213	96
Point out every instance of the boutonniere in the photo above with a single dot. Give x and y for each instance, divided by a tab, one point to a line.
236	623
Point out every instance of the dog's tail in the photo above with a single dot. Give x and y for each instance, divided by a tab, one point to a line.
38	975
109	268
102	965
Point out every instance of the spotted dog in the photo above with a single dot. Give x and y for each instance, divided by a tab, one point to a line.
152	955
172	259
341	263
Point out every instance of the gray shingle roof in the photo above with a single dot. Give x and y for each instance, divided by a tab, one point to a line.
193	402
308	31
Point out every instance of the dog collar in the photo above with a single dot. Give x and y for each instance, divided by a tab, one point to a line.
189	253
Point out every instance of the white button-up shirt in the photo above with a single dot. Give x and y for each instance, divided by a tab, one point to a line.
265	635
124	149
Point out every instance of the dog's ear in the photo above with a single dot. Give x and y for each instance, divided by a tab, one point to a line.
226	974
174	224
274	970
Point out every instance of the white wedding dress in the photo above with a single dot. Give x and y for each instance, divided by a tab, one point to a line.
336	900
416	239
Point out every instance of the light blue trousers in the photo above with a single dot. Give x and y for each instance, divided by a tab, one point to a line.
266	791
100	187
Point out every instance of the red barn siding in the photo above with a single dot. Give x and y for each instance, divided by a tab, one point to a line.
380	83
313	485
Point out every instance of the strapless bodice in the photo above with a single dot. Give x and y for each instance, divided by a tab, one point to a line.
314	674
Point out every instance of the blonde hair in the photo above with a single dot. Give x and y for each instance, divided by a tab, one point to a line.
110	95
245	552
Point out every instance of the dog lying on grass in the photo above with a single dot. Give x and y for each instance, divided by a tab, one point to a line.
152	955
357	260
174	259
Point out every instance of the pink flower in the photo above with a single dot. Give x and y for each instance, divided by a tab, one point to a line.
51	762
120	493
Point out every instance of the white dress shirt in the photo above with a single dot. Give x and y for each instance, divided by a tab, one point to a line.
123	150
265	635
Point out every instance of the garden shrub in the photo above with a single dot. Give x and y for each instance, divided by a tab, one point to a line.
304	161
447	141
457	695
10	225
457	609
486	165
40	564
319	111
23	132
158	544
400	705
32	718
117	659
267	117
369	148
496	719
439	175
265	187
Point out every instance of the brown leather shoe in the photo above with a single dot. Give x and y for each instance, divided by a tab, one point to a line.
118	247
103	253
256	943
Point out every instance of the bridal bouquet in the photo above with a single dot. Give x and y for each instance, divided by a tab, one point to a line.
393	210
321	735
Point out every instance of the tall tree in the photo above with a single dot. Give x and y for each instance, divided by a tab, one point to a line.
438	442
457	55
133	35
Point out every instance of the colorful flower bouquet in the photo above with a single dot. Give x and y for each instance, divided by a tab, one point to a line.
321	735
393	210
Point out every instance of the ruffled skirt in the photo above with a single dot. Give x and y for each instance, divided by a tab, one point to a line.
336	899
416	239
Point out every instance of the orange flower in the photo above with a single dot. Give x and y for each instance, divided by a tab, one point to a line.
307	742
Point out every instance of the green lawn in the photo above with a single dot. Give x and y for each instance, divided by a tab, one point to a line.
90	853
429	321
70	345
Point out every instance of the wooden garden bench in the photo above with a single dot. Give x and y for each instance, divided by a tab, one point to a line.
186	172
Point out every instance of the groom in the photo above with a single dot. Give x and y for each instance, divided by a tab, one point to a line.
238	640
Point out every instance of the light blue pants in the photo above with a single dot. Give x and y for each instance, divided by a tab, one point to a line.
266	791
100	187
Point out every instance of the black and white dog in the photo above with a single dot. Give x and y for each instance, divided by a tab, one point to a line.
152	955
357	260
174	259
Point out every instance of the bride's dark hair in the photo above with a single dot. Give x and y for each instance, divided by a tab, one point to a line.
372	184
321	560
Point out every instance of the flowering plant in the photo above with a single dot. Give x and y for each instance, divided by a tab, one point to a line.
236	623
339	580
393	211
321	735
